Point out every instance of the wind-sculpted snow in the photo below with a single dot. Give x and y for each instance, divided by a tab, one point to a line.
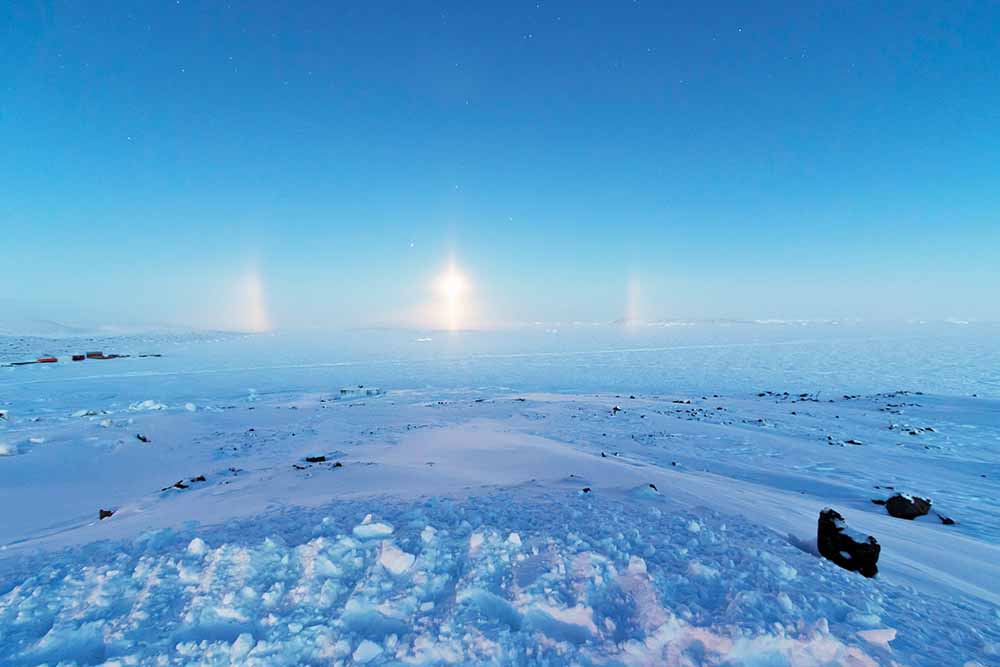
567	579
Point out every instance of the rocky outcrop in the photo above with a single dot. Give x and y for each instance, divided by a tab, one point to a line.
851	551
904	506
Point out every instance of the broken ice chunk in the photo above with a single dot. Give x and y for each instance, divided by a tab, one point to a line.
369	529
395	559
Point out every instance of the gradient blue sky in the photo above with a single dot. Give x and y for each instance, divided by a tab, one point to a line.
751	160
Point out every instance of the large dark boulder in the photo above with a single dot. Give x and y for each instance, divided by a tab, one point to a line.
907	507
851	551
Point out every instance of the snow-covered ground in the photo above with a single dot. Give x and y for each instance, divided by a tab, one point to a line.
449	522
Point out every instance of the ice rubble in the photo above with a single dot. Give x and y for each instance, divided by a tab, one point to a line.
148	404
489	580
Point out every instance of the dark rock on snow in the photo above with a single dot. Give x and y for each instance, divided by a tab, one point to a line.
946	520
854	552
315	459
104	514
907	507
141	437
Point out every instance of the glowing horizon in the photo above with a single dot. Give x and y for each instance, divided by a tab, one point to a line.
451	286
254	306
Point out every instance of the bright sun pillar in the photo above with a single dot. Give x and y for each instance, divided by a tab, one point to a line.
452	285
255	308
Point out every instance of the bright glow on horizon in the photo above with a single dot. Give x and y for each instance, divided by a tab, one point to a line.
452	286
255	311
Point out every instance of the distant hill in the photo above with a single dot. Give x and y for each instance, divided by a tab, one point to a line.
40	328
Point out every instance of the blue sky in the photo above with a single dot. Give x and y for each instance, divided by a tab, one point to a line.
781	160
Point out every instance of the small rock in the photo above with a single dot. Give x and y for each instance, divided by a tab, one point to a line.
315	459
852	441
946	520
104	514
586	489
854	552
199	478
907	507
141	437
653	487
